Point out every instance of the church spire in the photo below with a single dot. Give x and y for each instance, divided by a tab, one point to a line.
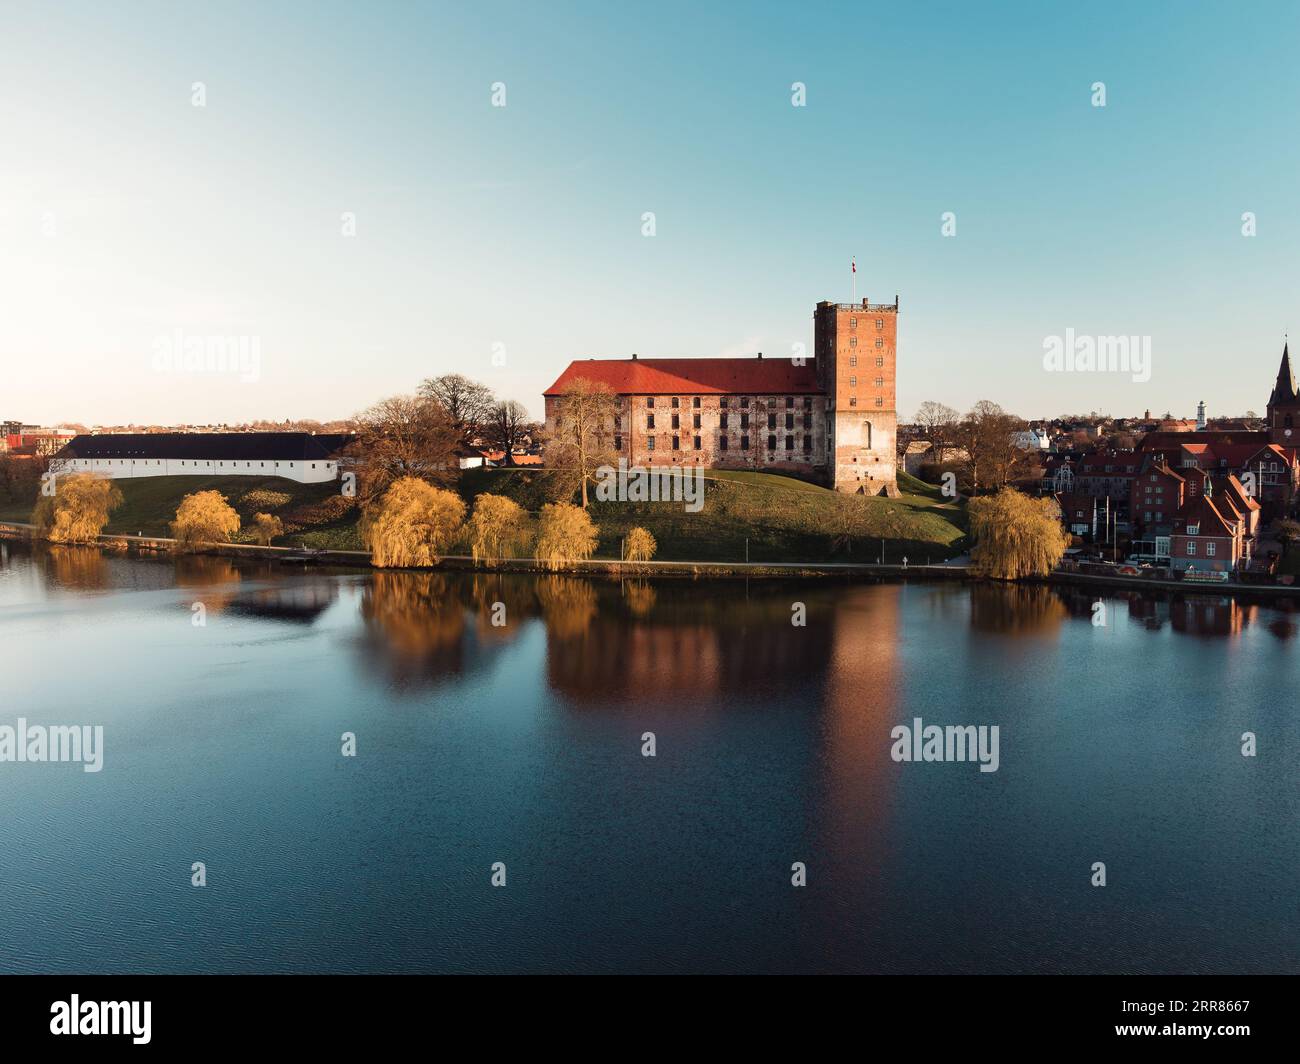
1284	390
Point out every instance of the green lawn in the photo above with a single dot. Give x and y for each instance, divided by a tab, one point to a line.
782	518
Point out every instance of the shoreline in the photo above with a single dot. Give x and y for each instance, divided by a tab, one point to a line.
696	570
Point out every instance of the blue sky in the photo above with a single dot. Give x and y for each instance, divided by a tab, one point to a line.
127	213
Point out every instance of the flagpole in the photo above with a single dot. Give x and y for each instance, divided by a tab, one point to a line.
853	269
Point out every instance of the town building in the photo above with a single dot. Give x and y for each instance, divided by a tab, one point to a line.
831	418
308	458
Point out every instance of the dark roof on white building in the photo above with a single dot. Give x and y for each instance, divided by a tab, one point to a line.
224	446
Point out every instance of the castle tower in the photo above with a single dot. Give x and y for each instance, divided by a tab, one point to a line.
855	360
1200	416
1284	406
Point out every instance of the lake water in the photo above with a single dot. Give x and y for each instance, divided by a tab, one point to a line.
522	744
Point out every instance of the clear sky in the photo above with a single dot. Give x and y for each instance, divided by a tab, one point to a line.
127	213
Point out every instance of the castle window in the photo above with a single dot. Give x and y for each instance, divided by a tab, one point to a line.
853	360
853	323
650	444
722	403
697	421
866	433
880	360
880	323
789	421
722	422
744	403
650	402
650	422
677	443
880	342
1191	548
618	421
789	443
722	443
807	421
807	444
853	341
697	443
880	382
853	400
807	402
676	402
677	421
695	402
744	443
1209	550
744	421
771	421
853	382
771	443
880	401
789	402
618	443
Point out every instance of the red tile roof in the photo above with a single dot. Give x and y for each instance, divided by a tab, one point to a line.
693	376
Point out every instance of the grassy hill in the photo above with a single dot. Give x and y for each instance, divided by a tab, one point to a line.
784	519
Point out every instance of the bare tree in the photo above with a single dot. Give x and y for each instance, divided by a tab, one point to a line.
939	423
507	427
988	436
581	434
469	405
403	436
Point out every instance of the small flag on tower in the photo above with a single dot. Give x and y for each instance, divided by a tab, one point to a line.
853	264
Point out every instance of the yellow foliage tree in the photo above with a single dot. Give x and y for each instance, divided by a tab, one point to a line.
565	533
640	545
412	524
496	527
266	527
204	517
78	510
1015	536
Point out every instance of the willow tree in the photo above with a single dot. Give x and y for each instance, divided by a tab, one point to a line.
640	545
565	533
412	524
78	510
580	434
497	527
1015	536
204	517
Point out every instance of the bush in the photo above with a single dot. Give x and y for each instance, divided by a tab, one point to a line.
78	510
640	545
264	500
412	524
497	527
204	517
326	512
565	534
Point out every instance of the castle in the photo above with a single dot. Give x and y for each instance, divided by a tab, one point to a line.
831	418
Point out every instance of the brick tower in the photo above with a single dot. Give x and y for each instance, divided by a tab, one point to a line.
856	360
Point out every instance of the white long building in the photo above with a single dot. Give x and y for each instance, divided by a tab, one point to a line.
308	458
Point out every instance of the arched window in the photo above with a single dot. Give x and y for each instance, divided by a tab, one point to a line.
866	433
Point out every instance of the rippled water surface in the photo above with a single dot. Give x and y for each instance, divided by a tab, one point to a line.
522	744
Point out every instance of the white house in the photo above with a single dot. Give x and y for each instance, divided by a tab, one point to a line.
306	457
